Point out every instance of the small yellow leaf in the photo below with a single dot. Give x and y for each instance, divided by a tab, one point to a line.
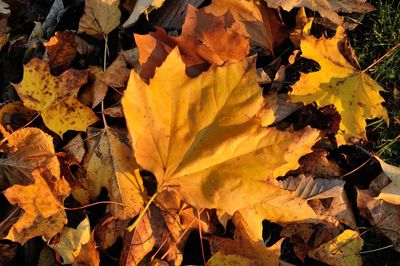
41	201
71	240
200	136
343	250
354	94
55	97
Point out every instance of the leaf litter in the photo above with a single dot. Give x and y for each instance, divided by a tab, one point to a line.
135	137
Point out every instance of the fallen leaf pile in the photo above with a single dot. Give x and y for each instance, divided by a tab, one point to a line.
159	132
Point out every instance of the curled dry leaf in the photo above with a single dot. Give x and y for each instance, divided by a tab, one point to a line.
253	19
209	147
41	201
100	17
391	192
354	93
343	250
61	50
70	241
55	97
327	8
109	163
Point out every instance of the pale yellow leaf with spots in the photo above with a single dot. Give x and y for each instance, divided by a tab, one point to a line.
55	97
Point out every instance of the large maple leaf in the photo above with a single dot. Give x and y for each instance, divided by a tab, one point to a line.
353	92
55	97
200	136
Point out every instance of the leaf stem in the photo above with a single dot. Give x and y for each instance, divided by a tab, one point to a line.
391	51
143	212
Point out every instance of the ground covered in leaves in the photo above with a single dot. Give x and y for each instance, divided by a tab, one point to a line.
223	132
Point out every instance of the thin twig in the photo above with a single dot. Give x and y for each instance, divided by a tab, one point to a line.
382	57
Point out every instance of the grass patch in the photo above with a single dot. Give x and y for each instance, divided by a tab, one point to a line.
378	32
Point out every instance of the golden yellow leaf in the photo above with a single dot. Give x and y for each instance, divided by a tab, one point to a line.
100	17
110	164
343	250
41	201
354	93
69	244
327	8
55	97
200	137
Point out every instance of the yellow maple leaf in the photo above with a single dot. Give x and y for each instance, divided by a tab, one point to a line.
55	97
354	93
109	163
41	201
343	250
200	137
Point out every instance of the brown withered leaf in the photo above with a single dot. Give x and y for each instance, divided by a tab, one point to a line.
100	17
252	19
108	230
76	147
61	50
318	165
327	8
205	40
41	201
138	242
383	215
116	76
88	255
